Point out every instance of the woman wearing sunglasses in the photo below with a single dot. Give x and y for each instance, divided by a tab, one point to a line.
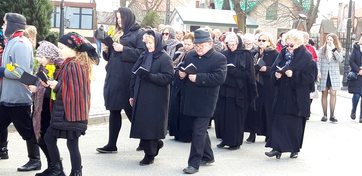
294	73
259	119
328	67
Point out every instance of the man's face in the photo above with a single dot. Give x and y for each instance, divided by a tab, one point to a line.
203	48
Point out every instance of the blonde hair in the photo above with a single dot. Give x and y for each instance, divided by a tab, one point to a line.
30	32
269	37
87	63
295	36
148	37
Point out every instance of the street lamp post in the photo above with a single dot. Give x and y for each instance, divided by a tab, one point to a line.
348	45
61	26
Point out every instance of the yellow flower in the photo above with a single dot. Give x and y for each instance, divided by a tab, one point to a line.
51	70
10	67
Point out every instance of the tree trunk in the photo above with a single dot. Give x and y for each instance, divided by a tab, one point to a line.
241	16
226	5
313	14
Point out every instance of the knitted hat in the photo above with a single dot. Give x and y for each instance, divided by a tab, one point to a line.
48	50
78	43
202	35
15	22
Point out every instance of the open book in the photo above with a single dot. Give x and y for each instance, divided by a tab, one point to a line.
190	69
230	65
28	79
140	71
42	76
282	69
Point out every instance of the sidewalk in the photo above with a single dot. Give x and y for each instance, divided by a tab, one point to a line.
329	149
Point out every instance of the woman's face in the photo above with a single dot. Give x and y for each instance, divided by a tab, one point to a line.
43	61
188	44
330	40
248	44
290	44
65	52
263	42
165	34
179	35
150	44
232	45
119	19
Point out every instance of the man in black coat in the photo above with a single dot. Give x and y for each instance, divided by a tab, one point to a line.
201	93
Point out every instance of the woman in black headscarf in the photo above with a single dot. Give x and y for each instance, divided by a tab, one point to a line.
235	95
150	94
121	55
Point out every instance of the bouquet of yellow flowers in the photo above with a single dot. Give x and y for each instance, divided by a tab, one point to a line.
51	69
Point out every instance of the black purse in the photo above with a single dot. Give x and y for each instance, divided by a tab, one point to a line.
352	76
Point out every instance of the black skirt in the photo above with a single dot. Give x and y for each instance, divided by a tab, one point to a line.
65	134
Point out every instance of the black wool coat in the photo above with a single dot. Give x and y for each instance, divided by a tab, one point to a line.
200	97
151	93
292	94
116	86
355	86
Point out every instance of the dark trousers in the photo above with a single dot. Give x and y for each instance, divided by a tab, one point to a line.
3	136
20	116
72	144
115	124
200	143
150	147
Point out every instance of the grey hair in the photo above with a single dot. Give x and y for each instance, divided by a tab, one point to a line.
231	37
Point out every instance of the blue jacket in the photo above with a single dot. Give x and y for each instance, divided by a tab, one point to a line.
13	92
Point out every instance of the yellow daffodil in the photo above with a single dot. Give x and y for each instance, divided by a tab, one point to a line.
51	70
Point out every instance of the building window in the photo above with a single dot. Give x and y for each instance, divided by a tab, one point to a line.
272	12
74	18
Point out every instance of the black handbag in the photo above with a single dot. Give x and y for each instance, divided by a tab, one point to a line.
352	76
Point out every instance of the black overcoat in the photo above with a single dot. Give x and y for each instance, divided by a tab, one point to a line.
355	86
200	97
151	95
259	119
116	85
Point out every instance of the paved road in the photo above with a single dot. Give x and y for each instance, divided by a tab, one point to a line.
329	149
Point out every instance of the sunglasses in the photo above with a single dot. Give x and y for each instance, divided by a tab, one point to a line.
261	40
289	46
165	33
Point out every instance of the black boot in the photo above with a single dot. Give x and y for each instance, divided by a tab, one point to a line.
251	138
4	150
148	159
45	172
76	172
34	158
56	169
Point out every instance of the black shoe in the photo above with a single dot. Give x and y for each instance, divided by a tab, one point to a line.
139	148
333	119
234	147
107	149
190	170
204	162
360	120
4	151
353	116
294	155
44	173
147	160
56	168
76	172
324	118
273	153
221	145
160	145
32	164
251	138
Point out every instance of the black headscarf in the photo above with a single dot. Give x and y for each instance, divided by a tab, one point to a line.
146	57
128	19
